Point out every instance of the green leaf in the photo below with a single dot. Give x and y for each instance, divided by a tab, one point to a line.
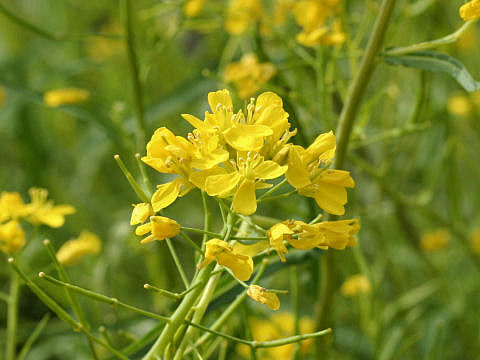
437	62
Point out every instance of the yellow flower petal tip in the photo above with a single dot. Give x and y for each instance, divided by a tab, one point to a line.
356	285
42	211
263	296
65	96
141	212
72	252
470	10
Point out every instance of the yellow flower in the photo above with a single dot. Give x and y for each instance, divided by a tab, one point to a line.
12	206
73	251
470	10
325	185
282	9
263	296
172	154
66	96
241	14
312	16
248	175
355	285
141	212
459	105
12	237
248	75
475	241
328	234
2	96
241	265
193	7
160	227
42	211
279	325
102	48
435	240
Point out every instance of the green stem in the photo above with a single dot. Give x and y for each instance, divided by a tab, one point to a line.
177	263
102	298
166	293
34	336
206	218
61	313
72	299
12	317
137	88
131	180
273	189
427	45
276	197
146	179
347	118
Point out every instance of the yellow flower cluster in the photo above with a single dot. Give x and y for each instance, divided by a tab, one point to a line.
193	7
38	211
233	154
277	326
318	22
470	10
328	234
248	75
66	96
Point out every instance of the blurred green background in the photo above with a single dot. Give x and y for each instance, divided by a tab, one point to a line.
423	305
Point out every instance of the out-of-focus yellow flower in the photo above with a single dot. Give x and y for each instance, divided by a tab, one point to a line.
241	265
42	211
335	234
193	7
141	212
102	48
435	240
12	236
249	75
2	96
72	252
312	16
459	105
356	285
264	296
12	206
160	227
325	185
241	14
475	241
279	325
282	9
470	10
66	96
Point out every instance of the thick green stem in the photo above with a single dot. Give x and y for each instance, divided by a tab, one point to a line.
345	126
12	317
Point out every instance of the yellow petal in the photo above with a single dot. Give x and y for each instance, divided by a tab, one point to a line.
263	296
143	229
166	194
269	170
198	124
241	265
212	248
12	236
244	137
337	177
211	159
245	201
199	178
220	97
163	227
322	148
140	213
330	198
297	173
276	236
470	10
73	251
222	185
